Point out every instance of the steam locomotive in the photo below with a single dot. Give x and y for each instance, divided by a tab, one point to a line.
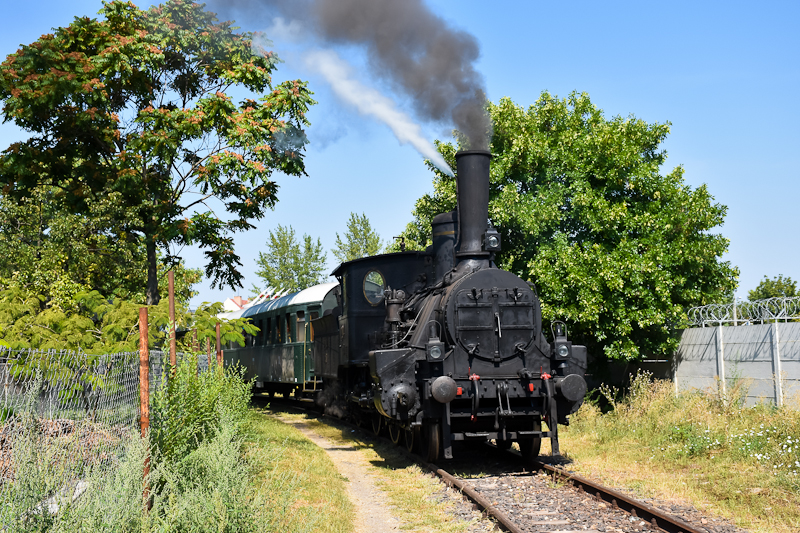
438	346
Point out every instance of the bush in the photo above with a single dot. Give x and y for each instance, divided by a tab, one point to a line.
199	480
191	406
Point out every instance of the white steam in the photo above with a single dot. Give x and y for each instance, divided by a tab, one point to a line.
368	101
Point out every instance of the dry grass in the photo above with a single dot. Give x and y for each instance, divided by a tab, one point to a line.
319	501
414	495
737	462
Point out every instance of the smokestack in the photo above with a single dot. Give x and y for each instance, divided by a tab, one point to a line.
472	180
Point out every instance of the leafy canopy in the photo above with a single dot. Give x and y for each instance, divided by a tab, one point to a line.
360	240
616	249
288	265
773	288
129	115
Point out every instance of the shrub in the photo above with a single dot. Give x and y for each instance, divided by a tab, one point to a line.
190	406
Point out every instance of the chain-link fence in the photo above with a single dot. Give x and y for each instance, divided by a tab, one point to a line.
65	414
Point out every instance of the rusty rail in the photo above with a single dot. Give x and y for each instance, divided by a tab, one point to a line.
472	494
639	509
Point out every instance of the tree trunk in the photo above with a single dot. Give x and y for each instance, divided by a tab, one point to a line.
152	272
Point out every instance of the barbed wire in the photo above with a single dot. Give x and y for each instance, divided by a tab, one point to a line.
746	313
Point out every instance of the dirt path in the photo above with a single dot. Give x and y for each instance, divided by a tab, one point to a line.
372	512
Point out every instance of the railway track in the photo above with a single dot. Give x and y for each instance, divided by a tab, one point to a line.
533	502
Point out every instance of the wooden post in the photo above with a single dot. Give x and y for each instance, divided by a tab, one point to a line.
172	338
144	389
219	347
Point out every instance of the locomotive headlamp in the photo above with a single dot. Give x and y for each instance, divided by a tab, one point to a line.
491	240
561	346
434	350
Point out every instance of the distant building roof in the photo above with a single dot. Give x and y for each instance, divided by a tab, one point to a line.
234	304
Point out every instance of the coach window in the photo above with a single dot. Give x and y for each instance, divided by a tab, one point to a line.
373	287
300	326
278	329
260	334
288	327
314	315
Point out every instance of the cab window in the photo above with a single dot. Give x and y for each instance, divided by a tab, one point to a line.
374	286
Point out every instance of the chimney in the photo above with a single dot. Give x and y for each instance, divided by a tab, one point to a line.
472	179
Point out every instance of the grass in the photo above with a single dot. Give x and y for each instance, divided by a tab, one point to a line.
742	463
415	497
281	452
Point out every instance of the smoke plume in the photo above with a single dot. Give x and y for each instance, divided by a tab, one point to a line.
407	45
368	101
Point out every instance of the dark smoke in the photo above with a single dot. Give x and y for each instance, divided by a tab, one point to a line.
406	43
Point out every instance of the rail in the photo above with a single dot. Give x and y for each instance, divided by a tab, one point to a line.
745	313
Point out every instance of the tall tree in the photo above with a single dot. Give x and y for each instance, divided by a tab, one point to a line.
129	115
773	288
290	266
360	240
616	249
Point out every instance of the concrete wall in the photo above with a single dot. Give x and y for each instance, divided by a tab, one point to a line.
755	354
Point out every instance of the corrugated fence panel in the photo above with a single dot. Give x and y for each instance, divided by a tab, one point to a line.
749	354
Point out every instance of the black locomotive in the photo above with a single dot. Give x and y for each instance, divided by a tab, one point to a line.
442	345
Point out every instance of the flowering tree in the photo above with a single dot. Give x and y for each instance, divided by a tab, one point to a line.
130	120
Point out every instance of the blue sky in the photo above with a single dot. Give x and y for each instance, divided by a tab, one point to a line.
725	74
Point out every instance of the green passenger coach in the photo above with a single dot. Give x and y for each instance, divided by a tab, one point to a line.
280	357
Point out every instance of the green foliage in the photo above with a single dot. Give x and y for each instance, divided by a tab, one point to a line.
53	252
189	406
129	118
289	266
773	288
360	240
94	324
616	249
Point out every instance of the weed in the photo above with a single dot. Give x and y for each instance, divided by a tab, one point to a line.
738	461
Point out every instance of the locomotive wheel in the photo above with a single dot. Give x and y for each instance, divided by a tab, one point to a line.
377	422
410	437
530	448
430	442
394	433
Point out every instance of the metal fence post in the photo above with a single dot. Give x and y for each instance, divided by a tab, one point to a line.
776	364
721	361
